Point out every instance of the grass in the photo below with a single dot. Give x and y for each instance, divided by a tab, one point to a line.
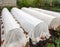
57	41
57	9
55	38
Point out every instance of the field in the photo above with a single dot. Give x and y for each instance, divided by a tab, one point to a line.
54	40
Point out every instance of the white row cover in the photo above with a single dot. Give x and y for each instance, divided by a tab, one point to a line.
55	14
17	44
12	30
16	39
51	21
33	26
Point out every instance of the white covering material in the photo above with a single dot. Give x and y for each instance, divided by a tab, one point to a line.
55	14
51	21
20	43
16	44
13	32
8	21
16	39
33	26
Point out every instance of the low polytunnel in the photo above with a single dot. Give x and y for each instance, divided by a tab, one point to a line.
51	21
34	27
12	30
55	14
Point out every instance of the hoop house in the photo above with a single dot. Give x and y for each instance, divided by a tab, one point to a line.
13	32
51	21
33	26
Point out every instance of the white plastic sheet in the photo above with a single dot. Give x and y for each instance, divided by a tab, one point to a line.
13	32
8	21
55	14
33	26
16	44
16	39
51	21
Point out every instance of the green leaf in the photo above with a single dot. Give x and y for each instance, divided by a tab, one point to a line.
58	42
49	45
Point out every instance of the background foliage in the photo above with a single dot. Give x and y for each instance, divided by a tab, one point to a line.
45	4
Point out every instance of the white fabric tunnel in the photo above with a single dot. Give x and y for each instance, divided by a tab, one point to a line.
12	29
33	26
55	14
51	21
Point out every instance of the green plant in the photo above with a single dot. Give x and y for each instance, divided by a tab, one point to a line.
0	9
